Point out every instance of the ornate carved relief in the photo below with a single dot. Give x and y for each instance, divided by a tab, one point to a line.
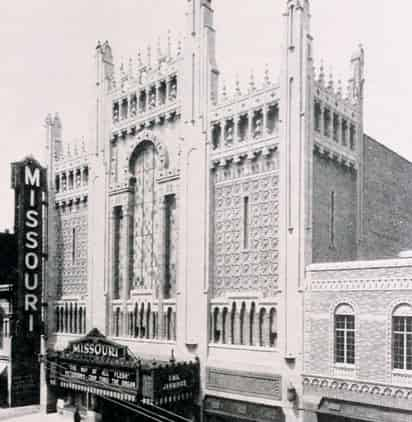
237	268
267	386
72	231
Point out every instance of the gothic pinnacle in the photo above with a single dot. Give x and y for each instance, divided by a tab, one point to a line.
139	58
169	44
339	88
321	74
330	83
149	57
252	86
237	86
179	47
224	91
266	79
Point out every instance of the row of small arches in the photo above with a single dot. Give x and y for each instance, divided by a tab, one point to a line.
143	322
70	318
241	325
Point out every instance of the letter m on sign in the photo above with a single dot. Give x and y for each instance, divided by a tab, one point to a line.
32	177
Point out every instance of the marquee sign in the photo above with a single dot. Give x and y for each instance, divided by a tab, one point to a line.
95	344
30	185
95	364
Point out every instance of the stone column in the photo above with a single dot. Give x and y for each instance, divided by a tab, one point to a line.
249	133
166	90
321	122
338	128
222	132
236	119
264	120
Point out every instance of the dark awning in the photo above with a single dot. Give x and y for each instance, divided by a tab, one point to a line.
363	412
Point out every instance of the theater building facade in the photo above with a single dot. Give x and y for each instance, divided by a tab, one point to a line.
179	233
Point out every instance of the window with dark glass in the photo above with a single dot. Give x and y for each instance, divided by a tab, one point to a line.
345	335
402	342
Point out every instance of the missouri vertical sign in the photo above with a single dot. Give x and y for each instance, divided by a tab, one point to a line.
29	183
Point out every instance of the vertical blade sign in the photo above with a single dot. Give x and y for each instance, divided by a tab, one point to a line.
29	183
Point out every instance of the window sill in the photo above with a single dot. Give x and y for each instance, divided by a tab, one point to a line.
402	372
142	340
243	347
348	366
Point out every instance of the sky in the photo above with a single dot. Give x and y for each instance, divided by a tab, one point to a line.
47	49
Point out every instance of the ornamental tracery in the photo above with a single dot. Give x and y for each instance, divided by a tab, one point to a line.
144	229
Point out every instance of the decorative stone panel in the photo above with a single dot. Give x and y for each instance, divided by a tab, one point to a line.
239	269
71	273
266	386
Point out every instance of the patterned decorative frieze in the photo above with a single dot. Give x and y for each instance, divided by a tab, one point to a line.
258	385
362	284
358	391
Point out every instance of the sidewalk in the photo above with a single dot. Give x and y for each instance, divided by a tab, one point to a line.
31	414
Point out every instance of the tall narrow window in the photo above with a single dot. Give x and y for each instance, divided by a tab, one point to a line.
402	338
246	222
73	245
352	132
116	251
170	208
332	219
291	23
344	335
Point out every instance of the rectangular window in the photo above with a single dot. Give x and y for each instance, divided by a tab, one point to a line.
332	219
246	222
73	245
345	339
402	342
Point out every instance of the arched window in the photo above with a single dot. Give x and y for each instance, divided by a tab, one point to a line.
262	322
148	321
252	324
81	319
117	323
273	334
344	334
142	318
61	311
57	319
169	323
216	331
136	321
233	324
66	318
402	337
75	318
242	323
154	325
224	322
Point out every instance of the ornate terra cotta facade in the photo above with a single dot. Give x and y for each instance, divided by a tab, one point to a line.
186	227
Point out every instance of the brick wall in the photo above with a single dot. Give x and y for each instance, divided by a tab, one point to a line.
330	176
373	289
387	202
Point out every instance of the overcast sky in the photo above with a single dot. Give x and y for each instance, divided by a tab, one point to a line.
47	49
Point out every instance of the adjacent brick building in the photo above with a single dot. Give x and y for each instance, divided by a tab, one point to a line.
358	371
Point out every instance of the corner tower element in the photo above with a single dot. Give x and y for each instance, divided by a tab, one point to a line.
295	168
199	86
